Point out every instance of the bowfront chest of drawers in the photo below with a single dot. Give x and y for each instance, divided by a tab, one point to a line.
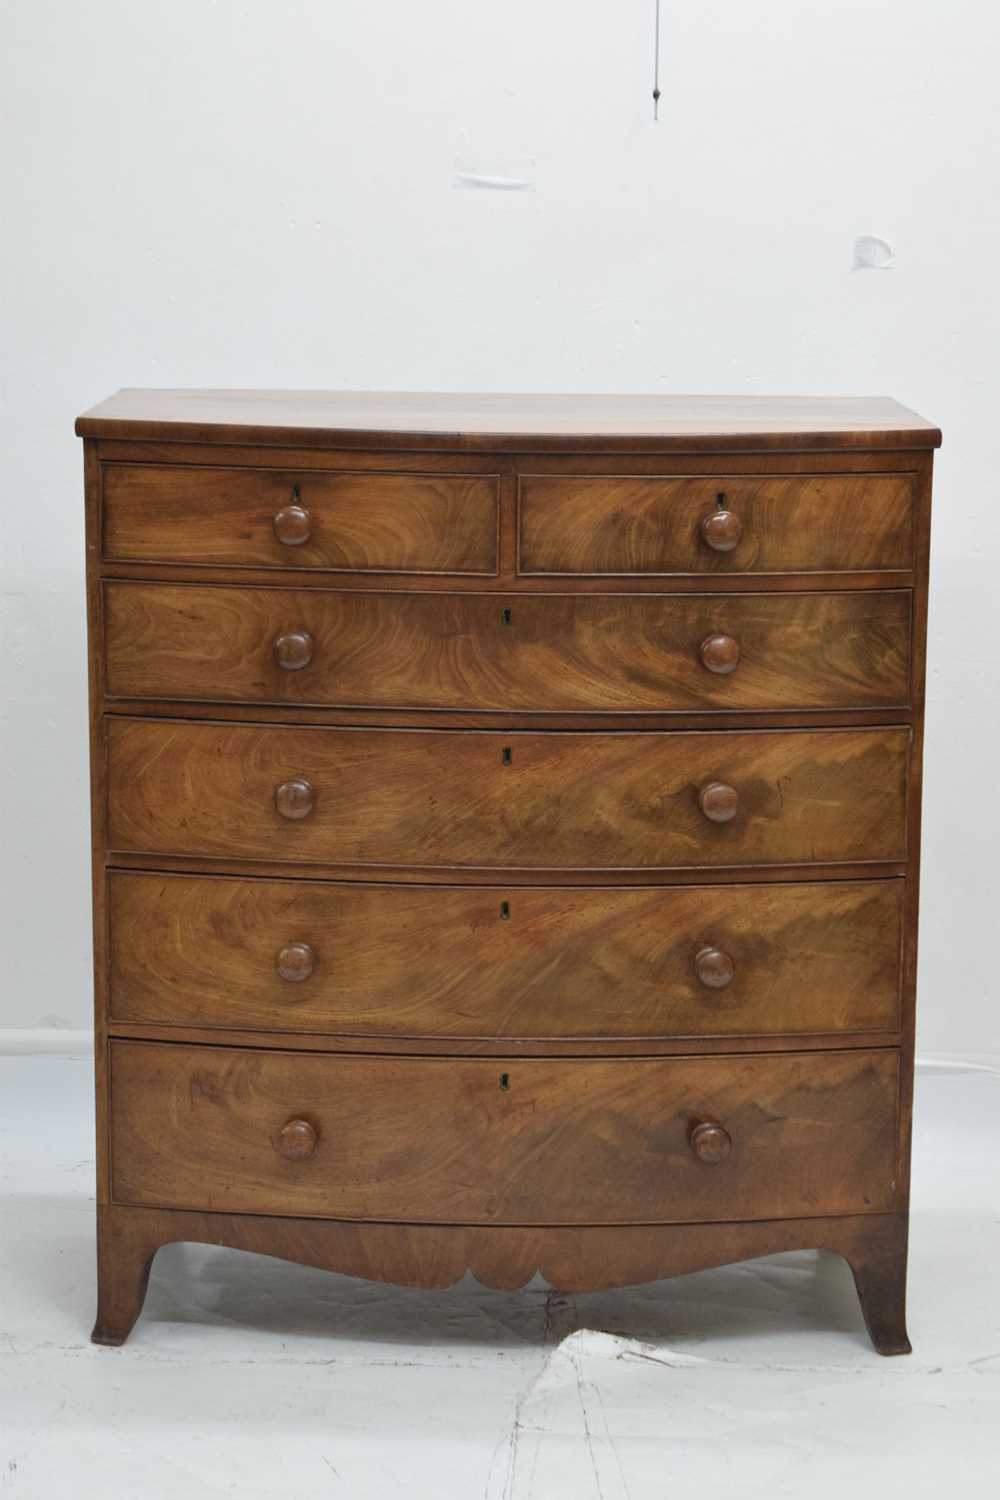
506	827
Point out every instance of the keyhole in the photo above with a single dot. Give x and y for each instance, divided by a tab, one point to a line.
506	757
720	500
504	1082
505	616
505	911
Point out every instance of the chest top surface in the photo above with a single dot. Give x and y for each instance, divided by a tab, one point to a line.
494	421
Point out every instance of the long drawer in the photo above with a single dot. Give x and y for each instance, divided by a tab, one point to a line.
354	522
714	524
524	1141
466	962
534	801
585	653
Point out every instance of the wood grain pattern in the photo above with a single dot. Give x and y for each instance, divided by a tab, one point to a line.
580	524
502	422
565	801
412	961
569	653
403	523
570	1258
819	497
566	1142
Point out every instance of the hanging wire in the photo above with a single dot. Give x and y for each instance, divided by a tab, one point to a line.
656	65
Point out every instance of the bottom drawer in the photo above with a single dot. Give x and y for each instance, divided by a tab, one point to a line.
525	1141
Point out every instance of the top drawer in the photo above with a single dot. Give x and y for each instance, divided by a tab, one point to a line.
713	523
344	522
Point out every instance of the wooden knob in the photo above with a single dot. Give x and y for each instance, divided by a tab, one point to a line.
710	1142
720	653
293	650
296	962
294	799
293	525
721	530
297	1140
714	968
718	802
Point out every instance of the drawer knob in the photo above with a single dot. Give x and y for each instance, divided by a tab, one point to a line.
719	802
722	530
710	1142
720	653
714	968
294	799
297	1140
293	525
293	650
296	962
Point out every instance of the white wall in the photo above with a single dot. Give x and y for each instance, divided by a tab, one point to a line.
260	193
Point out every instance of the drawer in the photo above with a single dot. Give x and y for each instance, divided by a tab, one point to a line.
715	524
529	1141
533	801
549	652
419	961
353	522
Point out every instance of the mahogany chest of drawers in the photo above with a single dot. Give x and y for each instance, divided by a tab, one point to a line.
506	826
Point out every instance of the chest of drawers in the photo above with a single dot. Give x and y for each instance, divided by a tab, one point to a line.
506	831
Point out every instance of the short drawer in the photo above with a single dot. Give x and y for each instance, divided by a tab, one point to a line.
538	801
714	524
525	1141
549	652
262	518
529	963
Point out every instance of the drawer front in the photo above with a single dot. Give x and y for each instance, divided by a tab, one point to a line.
517	800
529	1141
801	523
417	961
585	653
361	522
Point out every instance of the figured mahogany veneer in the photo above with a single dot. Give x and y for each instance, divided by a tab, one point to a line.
479	800
573	653
506	824
505	1140
411	961
726	523
390	523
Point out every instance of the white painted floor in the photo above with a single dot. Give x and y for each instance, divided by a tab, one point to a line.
249	1377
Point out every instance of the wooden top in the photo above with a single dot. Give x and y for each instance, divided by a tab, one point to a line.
428	420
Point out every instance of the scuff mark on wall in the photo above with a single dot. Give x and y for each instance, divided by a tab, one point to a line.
514	175
872	253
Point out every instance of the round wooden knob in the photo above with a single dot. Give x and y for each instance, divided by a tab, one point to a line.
719	802
710	1142
297	1140
296	962
293	650
714	968
293	525
294	799
720	653
721	530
